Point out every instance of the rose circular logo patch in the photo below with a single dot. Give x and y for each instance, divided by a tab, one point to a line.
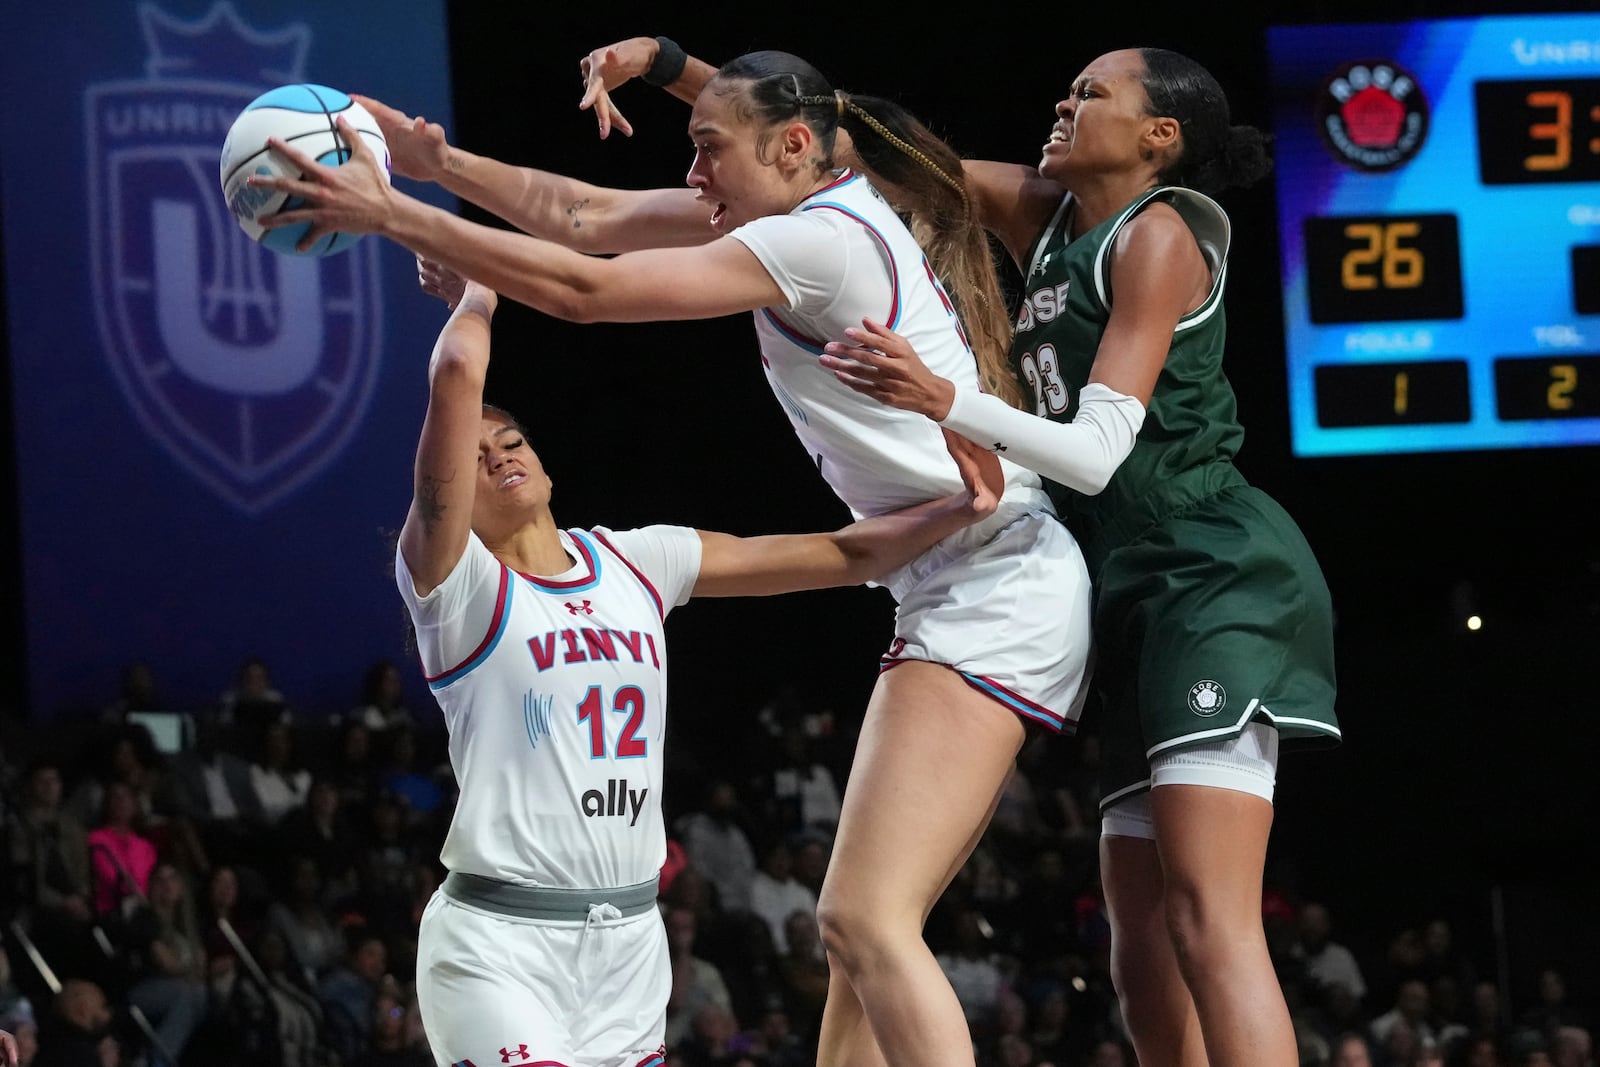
1206	698
1372	115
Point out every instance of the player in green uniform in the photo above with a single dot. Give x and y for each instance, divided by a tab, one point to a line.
1212	619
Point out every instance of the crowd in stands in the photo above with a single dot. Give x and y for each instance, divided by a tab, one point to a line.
251	895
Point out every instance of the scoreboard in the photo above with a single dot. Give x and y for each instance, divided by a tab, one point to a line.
1438	191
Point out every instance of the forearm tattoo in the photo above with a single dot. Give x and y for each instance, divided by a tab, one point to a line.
572	212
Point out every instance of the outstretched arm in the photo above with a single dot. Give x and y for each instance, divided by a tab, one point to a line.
860	552
589	218
706	281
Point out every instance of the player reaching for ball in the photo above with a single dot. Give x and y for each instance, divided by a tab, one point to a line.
992	626
545	938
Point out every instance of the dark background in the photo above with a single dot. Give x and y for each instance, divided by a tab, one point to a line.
1467	774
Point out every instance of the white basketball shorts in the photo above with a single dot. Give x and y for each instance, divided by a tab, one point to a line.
1006	603
579	993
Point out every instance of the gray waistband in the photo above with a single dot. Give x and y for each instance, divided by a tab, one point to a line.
545	902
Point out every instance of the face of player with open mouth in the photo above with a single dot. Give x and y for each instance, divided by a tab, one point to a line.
734	170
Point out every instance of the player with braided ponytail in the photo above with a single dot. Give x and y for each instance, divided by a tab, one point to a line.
991	625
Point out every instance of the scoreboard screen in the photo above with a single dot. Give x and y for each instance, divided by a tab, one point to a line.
1438	190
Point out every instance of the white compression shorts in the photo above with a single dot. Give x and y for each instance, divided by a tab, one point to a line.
1247	763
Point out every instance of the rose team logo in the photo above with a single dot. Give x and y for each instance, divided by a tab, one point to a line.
1206	698
1372	115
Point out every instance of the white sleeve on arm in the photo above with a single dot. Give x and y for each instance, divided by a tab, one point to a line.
1082	454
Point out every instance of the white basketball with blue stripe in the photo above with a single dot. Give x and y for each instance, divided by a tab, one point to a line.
304	117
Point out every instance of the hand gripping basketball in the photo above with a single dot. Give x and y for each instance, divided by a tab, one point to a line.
351	198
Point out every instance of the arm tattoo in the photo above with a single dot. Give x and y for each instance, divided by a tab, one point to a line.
429	507
572	212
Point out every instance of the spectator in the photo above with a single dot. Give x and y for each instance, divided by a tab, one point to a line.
303	922
1111	1052
320	829
279	782
50	852
383	700
170	984
417	791
717	844
1324	961
1528	1047
135	692
1573	1047
1551	1009
775	894
1443	957
1055	1035
696	983
128	757
715	1040
353	771
387	861
349	994
78	1030
120	856
388	1046
1411	1007
973	971
211	784
1486	1013
253	701
804	788
803	972
811	861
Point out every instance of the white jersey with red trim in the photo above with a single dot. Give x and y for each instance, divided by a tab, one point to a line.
841	256
554	691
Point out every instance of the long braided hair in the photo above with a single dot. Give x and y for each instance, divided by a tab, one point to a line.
925	173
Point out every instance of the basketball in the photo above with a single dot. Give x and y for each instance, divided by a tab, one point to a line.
303	116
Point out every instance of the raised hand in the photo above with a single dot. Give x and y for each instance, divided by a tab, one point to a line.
608	67
418	148
351	198
884	366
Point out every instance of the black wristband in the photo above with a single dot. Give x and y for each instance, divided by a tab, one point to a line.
669	63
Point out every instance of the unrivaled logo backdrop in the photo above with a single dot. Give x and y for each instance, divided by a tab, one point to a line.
213	441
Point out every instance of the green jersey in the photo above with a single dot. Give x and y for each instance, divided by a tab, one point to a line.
1191	430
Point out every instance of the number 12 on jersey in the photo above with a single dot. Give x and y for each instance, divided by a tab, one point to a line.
629	701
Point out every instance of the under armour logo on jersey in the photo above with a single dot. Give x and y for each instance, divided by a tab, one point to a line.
522	1050
997	447
1038	268
584	607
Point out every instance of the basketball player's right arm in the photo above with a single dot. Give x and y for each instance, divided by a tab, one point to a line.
864	550
588	218
435	532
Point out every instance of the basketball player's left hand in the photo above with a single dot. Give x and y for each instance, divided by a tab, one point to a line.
884	366
350	198
605	69
980	473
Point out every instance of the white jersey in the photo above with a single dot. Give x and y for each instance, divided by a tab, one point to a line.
840	256
554	692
